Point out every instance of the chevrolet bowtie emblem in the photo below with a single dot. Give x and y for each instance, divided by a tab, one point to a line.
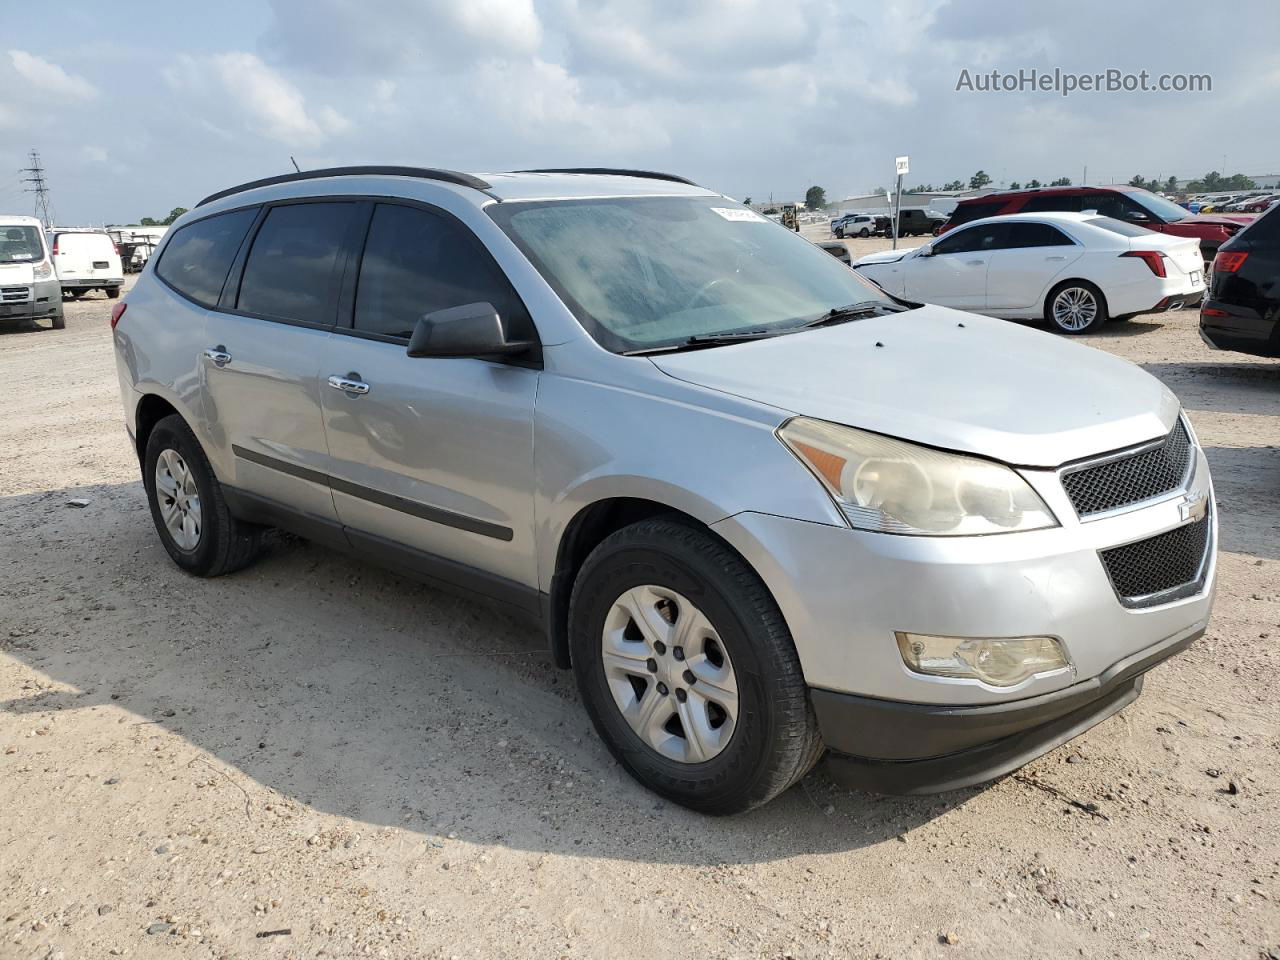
1194	507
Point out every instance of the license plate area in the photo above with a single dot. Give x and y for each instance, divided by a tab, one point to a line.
1195	276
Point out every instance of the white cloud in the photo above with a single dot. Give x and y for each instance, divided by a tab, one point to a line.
240	85
49	78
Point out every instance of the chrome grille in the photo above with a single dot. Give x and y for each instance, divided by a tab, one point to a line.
1160	568
1125	480
15	294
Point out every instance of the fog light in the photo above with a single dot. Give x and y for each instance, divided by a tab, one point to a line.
998	661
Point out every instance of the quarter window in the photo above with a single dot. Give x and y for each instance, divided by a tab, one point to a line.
197	257
417	262
290	271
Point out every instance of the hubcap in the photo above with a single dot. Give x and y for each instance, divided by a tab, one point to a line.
179	499
1074	308
669	674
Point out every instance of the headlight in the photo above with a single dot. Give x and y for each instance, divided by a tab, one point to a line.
892	486
1000	662
43	270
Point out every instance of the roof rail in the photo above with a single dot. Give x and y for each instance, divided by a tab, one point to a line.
423	173
611	171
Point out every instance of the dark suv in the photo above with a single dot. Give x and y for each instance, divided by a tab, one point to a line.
1242	309
1132	204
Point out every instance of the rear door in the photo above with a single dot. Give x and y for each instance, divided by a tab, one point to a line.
264	346
87	258
437	453
956	274
1021	271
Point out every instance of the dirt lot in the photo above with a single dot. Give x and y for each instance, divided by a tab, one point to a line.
315	758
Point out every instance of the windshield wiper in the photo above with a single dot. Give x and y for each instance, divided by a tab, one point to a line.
709	340
853	311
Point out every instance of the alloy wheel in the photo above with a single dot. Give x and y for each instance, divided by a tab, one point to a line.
1074	308
179	499
669	674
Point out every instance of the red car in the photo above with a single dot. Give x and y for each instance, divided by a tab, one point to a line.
1131	204
1260	204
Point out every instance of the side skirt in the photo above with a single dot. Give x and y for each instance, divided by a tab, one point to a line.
514	598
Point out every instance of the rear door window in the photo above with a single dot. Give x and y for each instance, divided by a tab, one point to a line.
1036	235
416	262
197	257
1052	203
291	272
975	211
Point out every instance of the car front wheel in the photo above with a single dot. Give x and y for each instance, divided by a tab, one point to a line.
687	669
1075	307
187	505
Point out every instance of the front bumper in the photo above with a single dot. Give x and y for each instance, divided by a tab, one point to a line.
910	748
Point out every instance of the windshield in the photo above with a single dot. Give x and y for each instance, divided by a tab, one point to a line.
20	245
644	272
1166	210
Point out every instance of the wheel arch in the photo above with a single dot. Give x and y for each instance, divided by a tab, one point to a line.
582	534
1057	285
151	409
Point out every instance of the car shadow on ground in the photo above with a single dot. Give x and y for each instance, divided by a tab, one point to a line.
359	694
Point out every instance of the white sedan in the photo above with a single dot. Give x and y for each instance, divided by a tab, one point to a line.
1073	269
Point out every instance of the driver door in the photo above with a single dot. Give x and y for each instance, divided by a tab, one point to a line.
956	273
432	454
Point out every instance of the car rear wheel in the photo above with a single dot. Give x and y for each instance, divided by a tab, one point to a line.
1075	307
864	233
687	669
113	293
188	508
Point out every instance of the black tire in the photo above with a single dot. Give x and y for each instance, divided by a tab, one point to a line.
113	293
839	234
1100	304
59	319
776	740
864	233
226	544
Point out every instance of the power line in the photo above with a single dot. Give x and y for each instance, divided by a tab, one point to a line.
39	186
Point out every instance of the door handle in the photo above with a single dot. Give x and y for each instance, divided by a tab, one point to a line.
975	263
350	384
218	355
1055	258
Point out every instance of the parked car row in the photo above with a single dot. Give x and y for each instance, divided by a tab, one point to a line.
911	223
39	268
1231	203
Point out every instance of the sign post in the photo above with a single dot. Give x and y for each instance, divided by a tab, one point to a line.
903	166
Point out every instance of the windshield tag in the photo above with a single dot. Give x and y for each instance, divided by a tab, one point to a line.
739	214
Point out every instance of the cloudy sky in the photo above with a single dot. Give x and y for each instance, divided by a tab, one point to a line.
137	113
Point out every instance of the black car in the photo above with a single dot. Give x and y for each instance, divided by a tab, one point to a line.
1242	309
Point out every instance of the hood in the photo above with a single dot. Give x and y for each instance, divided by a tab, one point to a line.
884	256
1221	219
17	274
989	387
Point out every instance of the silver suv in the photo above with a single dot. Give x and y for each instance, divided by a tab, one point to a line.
762	509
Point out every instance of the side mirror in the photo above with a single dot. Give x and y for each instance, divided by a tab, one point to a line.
1136	216
925	251
471	330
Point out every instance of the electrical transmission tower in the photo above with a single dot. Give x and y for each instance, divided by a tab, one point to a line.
40	187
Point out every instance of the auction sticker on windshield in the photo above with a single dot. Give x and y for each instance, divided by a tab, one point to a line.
736	213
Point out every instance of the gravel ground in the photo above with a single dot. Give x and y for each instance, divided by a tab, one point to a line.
316	758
